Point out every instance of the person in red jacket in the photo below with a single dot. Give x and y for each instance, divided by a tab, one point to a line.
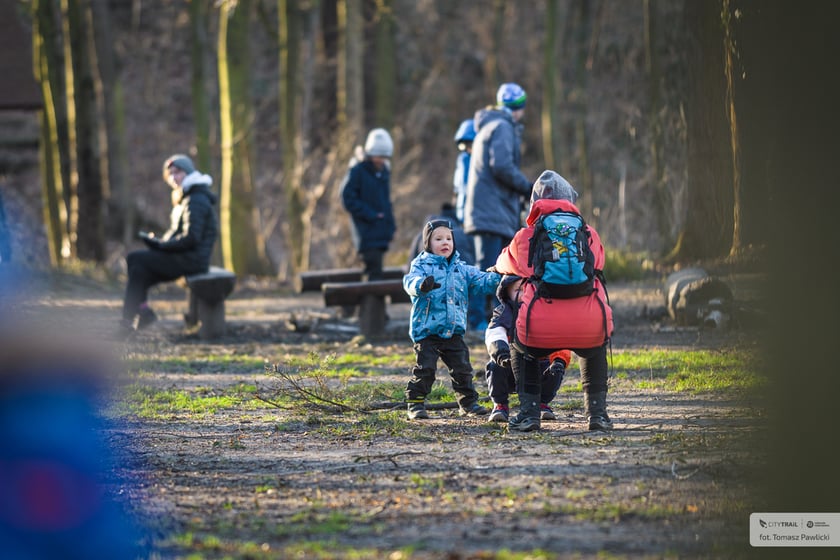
583	324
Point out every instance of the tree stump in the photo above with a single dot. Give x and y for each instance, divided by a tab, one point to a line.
206	294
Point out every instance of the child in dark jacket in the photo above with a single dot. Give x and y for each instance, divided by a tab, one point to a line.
439	284
498	372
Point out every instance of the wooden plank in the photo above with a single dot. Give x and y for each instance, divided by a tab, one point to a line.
352	293
312	280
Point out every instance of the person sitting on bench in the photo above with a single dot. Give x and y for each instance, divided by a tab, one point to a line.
184	249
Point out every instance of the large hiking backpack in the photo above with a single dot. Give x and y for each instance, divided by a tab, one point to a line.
559	252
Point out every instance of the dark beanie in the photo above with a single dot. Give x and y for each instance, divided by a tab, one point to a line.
180	161
431	226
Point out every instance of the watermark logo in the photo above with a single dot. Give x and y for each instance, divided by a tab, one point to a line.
795	529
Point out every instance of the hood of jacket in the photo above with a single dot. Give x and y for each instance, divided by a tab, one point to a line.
501	291
198	188
547	206
489	114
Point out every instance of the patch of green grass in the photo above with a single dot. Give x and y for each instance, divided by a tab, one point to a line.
369	392
211	363
687	370
362	426
371	360
627	265
152	403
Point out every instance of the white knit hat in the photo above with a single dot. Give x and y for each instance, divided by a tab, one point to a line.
379	143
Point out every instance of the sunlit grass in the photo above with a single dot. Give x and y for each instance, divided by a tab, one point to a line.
212	363
153	403
688	370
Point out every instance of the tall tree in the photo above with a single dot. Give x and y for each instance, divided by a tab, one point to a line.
653	68
549	102
729	55
386	63
710	168
752	80
84	103
115	164
582	39
198	83
243	246
69	27
46	71
351	91
290	18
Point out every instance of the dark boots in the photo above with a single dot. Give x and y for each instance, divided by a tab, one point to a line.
528	418
595	407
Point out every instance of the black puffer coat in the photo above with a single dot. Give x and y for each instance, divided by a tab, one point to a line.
366	193
193	229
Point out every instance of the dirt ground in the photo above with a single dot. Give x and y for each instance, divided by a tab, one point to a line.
671	481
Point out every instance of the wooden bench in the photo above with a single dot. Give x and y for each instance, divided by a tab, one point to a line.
206	294
312	280
370	297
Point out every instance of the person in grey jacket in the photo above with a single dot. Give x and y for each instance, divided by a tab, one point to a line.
439	284
496	187
184	249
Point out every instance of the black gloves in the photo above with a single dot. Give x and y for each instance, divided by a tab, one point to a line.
557	368
503	360
428	284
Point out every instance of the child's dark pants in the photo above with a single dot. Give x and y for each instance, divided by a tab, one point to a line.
455	355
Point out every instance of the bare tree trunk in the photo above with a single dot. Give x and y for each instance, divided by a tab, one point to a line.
351	92
386	63
709	194
118	165
549	102
729	53
45	67
243	246
200	97
588	197
492	69
661	197
68	25
91	139
290	99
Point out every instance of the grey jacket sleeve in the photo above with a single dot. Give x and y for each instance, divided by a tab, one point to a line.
503	162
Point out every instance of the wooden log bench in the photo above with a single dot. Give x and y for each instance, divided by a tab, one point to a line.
370	297
312	280
206	295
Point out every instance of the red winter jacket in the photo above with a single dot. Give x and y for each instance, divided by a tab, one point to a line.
583	322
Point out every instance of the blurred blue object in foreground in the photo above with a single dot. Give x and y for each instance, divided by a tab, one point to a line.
54	464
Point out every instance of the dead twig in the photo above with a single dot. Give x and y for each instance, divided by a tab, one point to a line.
312	396
682	476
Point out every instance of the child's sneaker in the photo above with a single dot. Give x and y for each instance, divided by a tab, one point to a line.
520	423
473	409
417	411
500	413
546	413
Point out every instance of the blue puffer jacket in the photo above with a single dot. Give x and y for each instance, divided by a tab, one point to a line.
366	193
496	186
443	311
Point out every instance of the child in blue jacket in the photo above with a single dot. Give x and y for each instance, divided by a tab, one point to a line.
439	284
